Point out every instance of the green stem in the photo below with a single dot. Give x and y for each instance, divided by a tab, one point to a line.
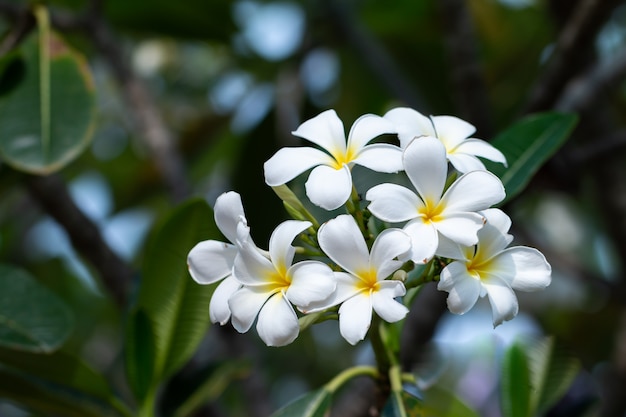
353	208
344	376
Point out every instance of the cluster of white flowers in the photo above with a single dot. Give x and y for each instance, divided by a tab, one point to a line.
447	217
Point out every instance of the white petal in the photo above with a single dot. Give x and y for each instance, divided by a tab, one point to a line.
409	124
341	239
328	187
245	304
366	128
478	147
210	260
503	301
251	267
498	219
345	288
355	317
381	157
426	166
219	311
281	250
463	289
278	323
424	240
523	268
461	227
384	304
311	281
491	241
391	243
450	249
228	212
465	163
452	130
393	203
474	191
325	130
288	163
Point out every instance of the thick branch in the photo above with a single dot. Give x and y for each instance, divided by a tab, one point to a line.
52	195
567	60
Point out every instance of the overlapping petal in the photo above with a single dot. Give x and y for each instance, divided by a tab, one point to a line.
452	131
479	147
228	212
341	239
503	301
380	157
219	311
245	305
463	289
281	250
384	303
328	187
409	124
325	130
311	282
392	202
426	166
355	317
527	267
277	324
366	128
210	260
389	245
474	191
461	227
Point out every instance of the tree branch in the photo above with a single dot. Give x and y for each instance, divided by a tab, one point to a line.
52	195
567	60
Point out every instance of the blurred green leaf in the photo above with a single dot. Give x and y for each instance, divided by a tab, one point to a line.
527	145
439	402
515	386
48	106
51	398
172	309
313	404
403	404
552	371
213	383
31	317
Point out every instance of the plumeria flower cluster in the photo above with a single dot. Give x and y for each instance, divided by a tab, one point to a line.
358	265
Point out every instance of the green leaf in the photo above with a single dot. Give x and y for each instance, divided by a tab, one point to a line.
140	353
47	118
403	404
172	310
439	402
527	145
50	398
32	318
313	404
516	388
552	371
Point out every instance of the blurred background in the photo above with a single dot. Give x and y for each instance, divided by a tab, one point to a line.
194	96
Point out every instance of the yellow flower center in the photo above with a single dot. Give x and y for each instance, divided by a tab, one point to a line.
477	266
431	212
367	280
343	158
279	279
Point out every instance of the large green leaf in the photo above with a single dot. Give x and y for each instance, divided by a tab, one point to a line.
527	145
63	370
516	386
140	353
50	398
442	403
552	371
47	118
172	309
32	318
313	404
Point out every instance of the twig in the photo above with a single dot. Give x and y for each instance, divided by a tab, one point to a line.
566	62
468	85
52	195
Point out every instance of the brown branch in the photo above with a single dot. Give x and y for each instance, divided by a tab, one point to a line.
52	195
567	60
468	84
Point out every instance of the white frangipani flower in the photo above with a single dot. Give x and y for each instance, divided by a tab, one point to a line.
462	151
492	269
210	261
363	287
330	182
271	283
431	212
